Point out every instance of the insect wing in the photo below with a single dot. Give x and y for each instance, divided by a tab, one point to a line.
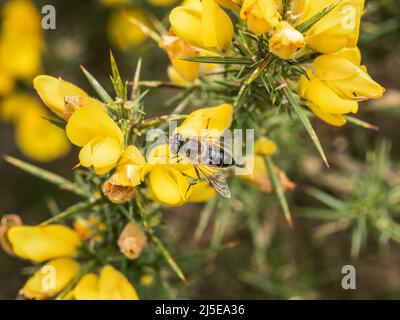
215	179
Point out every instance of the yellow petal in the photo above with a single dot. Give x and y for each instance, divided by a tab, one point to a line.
201	192
53	90
113	285
87	288
206	26
217	26
169	186
265	147
338	29
351	54
37	138
261	15
336	120
319	94
187	24
209	122
346	79
101	153
90	122
50	279
285	41
41	243
122	33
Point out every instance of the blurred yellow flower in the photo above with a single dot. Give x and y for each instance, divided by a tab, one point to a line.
335	84
110	285
203	24
162	3
36	137
7	83
21	40
55	93
261	15
115	2
265	147
51	279
338	29
285	41
259	176
99	136
122	33
41	243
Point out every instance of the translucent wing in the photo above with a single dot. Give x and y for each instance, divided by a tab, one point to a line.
215	179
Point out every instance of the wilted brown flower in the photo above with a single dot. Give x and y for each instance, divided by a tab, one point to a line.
118	194
132	241
8	221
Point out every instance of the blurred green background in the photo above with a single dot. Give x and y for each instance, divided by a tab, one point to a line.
273	260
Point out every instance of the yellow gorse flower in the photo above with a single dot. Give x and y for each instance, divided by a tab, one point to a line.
122	33
110	285
41	243
51	279
335	85
170	180
285	41
55	92
180	71
130	168
339	29
36	137
185	72
203	24
99	136
261	15
347	79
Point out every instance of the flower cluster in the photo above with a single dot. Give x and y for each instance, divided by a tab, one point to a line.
280	57
333	83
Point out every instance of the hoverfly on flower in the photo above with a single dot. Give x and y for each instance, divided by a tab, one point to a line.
199	141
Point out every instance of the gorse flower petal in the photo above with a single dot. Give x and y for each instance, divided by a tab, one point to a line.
346	79
285	41
261	15
169	186
87	288
320	94
204	25
53	92
41	243
339	29
336	120
129	172
113	285
102	140
51	279
110	285
210	122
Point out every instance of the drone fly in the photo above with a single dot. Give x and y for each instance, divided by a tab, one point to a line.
208	157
